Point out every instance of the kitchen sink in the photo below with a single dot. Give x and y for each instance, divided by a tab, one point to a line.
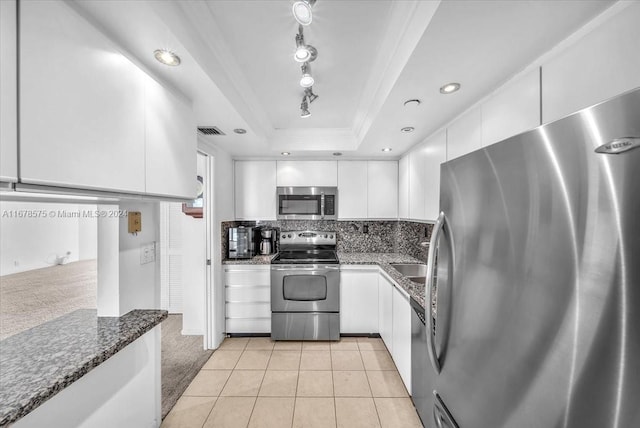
411	270
418	279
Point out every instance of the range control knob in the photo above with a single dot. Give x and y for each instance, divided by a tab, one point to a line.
331	236
325	236
289	236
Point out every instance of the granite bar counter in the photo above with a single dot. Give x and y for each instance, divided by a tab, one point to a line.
384	260
37	364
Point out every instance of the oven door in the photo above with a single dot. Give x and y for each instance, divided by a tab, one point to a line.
305	288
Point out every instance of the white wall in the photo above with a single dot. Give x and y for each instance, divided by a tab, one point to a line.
139	284
193	268
87	235
33	234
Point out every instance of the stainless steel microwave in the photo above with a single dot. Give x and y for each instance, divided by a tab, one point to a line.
307	203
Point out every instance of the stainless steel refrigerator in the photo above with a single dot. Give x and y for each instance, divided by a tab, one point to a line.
537	321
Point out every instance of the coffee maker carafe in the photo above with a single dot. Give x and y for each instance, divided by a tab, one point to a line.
267	245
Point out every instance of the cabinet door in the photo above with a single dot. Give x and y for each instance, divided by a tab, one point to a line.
403	187
435	154
382	189
465	134
255	190
602	64
81	104
417	182
170	143
359	301
515	108
9	90
401	352
352	181
308	173
385	311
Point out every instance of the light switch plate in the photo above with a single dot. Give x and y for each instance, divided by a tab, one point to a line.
147	253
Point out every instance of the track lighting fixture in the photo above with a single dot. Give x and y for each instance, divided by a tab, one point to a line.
302	11
306	80
304	108
304	53
308	92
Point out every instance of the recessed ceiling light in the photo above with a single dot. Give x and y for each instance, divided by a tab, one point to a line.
450	88
166	57
386	149
412	103
285	153
240	131
407	129
337	154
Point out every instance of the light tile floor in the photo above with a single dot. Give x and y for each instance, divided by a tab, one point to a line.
255	382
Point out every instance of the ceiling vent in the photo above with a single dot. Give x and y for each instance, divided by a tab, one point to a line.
210	130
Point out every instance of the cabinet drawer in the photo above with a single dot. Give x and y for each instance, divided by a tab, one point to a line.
247	277
246	294
248	310
249	325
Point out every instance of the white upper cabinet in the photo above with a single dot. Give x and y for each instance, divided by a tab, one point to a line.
382	190
602	64
255	190
81	104
170	146
8	89
352	185
514	109
435	149
403	187
308	173
465	134
417	182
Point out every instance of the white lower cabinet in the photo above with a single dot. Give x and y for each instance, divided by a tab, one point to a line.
359	299
385	311
247	298
401	348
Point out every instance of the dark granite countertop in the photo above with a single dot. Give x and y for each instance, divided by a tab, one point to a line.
256	260
38	363
413	289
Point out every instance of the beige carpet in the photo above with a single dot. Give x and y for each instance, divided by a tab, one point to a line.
182	359
30	298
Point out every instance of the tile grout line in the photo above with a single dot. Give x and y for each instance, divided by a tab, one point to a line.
368	383
225	382
335	407
257	393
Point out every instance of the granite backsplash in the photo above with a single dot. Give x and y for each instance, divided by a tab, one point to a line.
361	236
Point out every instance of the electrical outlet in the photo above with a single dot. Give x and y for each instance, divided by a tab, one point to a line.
147	253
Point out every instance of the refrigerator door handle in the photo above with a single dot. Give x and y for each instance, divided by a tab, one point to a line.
431	261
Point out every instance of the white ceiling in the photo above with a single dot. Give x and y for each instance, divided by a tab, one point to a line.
238	68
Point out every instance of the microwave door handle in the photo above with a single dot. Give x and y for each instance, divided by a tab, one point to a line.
322	205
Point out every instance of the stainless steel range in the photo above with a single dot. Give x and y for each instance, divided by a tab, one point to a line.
305	287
